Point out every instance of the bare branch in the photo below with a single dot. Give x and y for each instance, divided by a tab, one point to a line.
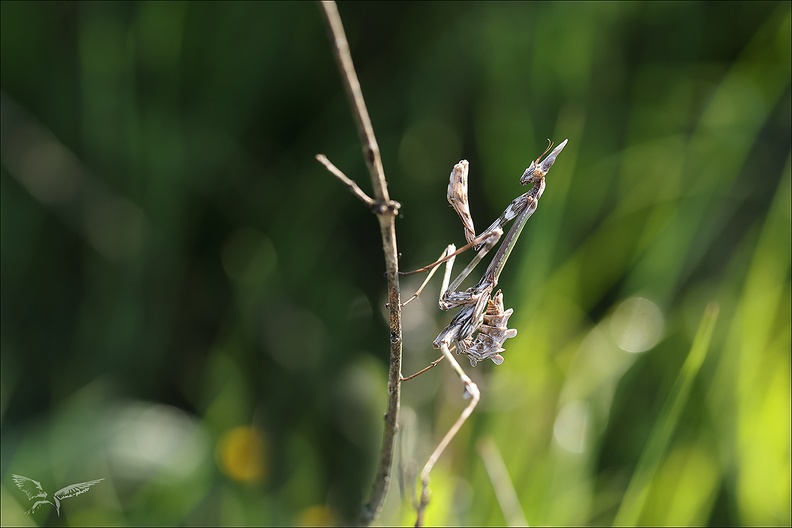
350	184
371	151
431	365
386	211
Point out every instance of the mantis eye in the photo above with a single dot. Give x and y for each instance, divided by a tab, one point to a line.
528	174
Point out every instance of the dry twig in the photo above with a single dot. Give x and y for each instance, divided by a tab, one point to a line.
386	210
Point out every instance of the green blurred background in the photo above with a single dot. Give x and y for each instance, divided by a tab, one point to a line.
193	308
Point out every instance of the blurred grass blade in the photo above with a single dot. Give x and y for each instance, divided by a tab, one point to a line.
501	482
761	381
635	498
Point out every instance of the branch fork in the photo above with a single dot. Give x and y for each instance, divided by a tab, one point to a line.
386	210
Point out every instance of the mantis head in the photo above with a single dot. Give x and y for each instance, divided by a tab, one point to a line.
537	170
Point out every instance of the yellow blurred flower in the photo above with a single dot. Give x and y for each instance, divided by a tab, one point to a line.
241	454
316	516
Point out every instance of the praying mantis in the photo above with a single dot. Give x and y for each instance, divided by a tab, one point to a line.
479	330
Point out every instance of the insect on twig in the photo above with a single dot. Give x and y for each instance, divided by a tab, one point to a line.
479	329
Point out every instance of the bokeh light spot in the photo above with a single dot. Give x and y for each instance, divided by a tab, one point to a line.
155	439
637	325
571	426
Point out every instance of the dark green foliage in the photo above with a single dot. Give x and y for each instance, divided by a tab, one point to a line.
177	266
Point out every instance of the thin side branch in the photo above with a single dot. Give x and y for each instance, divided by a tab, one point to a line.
371	151
431	365
386	210
350	184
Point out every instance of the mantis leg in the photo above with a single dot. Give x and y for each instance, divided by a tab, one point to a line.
448	255
471	390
